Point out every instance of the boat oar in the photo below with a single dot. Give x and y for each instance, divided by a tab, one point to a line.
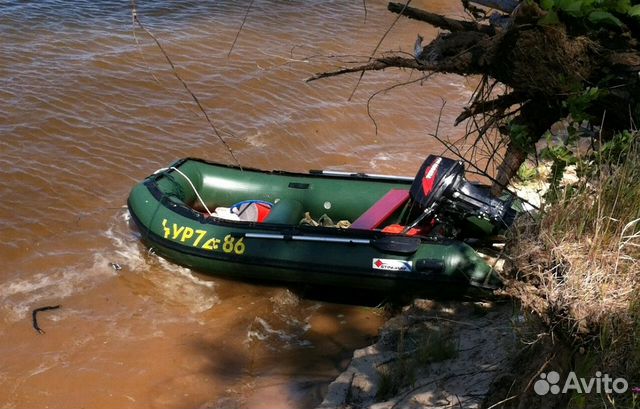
392	244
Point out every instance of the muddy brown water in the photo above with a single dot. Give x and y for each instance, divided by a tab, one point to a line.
82	119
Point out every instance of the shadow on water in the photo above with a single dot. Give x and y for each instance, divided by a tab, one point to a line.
284	347
397	297
401	295
272	373
285	350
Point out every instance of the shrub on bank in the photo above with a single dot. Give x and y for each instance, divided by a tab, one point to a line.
576	265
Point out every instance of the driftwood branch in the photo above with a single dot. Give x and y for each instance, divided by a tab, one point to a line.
440	21
539	65
34	316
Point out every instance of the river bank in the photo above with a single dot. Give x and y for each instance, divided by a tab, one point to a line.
432	355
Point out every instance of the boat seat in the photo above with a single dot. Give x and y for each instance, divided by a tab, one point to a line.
381	210
286	211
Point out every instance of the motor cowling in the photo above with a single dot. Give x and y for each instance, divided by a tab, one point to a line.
440	185
435	178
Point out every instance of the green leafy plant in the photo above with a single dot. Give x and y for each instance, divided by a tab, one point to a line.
617	149
521	136
561	156
596	12
578	103
527	173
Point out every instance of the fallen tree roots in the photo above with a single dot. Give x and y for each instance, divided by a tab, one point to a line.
539	66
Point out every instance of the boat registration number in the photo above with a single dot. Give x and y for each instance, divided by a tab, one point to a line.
201	239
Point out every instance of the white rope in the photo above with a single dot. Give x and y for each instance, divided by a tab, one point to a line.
190	183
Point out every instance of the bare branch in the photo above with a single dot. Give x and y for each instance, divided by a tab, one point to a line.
375	94
364	6
136	19
440	21
244	20
376	49
463	63
375	65
500	103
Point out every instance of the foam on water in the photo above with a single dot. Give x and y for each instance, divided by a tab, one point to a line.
287	324
20	296
273	338
174	283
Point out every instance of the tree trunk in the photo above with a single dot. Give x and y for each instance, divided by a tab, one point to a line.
513	158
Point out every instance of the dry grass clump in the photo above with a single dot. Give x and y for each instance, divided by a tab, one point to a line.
577	266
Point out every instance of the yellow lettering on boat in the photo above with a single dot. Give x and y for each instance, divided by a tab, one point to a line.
177	230
208	245
227	247
198	238
232	246
167	230
201	234
239	247
187	234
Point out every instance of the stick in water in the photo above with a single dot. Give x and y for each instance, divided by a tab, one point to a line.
35	318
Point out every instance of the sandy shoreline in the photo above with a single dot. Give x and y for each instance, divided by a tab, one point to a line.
484	338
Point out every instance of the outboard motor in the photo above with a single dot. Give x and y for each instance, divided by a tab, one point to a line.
440	186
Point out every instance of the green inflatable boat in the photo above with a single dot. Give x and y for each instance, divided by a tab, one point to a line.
322	228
